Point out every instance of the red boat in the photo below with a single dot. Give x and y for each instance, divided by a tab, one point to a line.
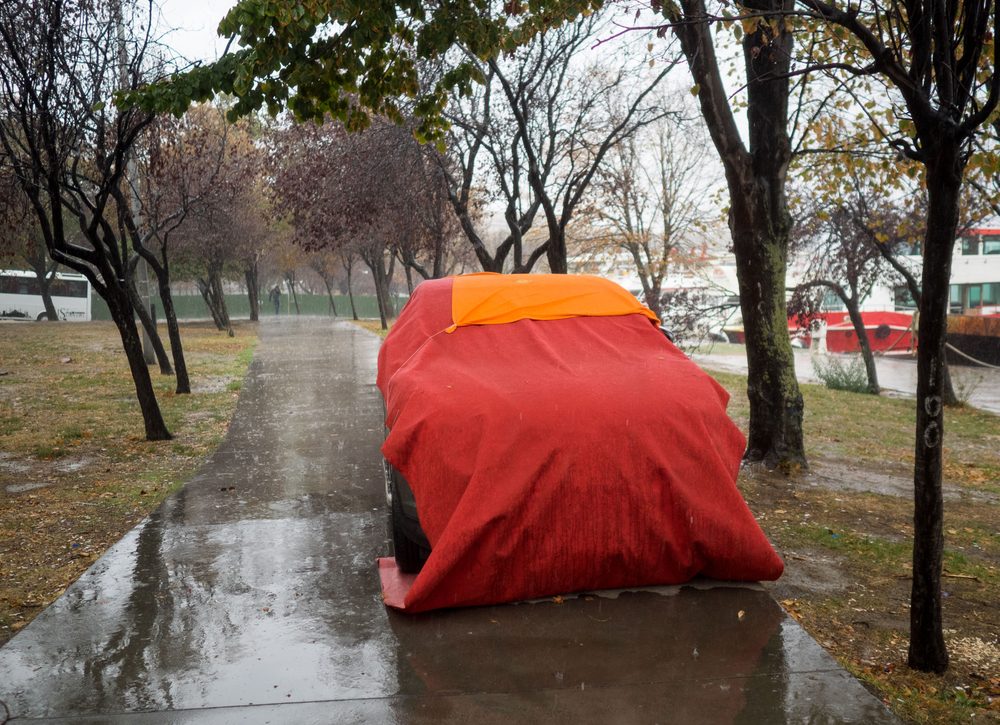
888	332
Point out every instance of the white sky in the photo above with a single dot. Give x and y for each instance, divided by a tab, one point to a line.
190	26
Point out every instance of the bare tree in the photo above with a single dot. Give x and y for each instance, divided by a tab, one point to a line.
223	231
431	245
841	239
759	220
376	196
650	201
939	61
179	161
68	144
21	242
537	132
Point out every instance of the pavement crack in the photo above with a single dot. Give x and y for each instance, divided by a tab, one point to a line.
6	712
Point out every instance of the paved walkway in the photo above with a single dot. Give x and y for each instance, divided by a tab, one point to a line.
979	386
251	596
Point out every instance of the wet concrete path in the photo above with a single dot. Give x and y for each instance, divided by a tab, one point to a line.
251	596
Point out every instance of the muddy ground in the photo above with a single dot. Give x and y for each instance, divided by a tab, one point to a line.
844	532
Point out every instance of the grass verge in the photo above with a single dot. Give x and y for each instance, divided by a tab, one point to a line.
372	326
845	531
76	472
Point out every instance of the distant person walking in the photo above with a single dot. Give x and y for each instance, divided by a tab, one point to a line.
275	296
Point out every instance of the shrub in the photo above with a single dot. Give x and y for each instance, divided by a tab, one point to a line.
842	373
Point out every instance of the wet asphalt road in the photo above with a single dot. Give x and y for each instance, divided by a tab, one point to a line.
252	596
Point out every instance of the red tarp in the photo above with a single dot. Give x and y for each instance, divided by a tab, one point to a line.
561	455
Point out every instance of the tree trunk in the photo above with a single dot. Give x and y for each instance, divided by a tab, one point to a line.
45	271
389	304
382	279
123	316
944	178
556	252
147	323
44	284
253	290
329	293
379	278
350	292
653	297
290	278
863	343
437	269
215	300
761	246
174	333
776	407
758	220
206	294
219	296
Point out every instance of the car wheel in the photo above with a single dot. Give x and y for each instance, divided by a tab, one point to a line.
409	542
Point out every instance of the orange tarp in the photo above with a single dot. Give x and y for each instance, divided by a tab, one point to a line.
487	298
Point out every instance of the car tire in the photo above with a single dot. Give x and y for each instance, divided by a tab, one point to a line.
409	542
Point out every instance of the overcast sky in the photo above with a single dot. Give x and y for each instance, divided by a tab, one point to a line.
191	24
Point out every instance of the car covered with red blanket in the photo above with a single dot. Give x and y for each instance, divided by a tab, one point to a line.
545	437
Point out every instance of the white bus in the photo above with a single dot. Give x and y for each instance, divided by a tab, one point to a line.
20	296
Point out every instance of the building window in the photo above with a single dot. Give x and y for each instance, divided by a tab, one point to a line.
975	295
970	245
991	293
902	299
955	299
832	302
991	245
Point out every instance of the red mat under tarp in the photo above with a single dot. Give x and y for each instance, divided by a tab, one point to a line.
556	456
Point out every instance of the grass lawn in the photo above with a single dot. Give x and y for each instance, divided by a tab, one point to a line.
76	472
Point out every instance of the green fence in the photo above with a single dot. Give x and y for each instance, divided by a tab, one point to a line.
192	307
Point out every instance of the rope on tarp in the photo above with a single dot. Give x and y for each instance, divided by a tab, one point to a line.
969	357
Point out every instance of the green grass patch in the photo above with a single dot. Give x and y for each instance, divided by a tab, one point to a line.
875	550
879	431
